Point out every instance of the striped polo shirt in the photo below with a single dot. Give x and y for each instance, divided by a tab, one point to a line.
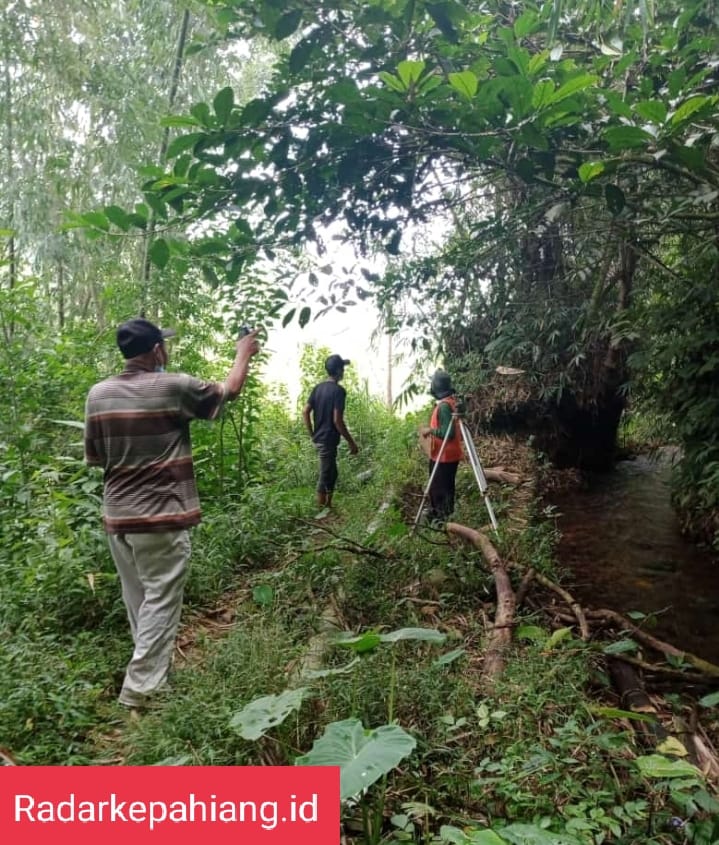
137	428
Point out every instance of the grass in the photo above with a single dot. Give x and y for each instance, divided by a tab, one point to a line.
531	752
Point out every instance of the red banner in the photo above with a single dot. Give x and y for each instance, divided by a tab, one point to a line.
253	805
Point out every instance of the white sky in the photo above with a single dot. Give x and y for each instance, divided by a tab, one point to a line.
348	335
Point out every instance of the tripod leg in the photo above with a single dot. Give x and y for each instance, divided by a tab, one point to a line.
478	473
431	479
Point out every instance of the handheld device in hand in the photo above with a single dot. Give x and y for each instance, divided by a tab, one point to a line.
244	330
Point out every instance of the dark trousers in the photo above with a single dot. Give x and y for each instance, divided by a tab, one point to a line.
327	453
441	492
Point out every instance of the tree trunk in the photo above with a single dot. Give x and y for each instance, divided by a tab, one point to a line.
9	173
174	85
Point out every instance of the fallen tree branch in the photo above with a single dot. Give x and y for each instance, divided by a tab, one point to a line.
501	632
351	545
704	666
524	585
569	599
687	677
501	475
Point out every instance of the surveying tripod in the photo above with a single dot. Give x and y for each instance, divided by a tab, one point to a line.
474	463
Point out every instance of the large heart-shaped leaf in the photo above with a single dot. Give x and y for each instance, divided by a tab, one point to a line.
455	836
530	834
257	717
363	756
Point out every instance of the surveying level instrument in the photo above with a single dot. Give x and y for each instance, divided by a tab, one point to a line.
473	458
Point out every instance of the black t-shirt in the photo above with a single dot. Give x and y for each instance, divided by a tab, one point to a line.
323	400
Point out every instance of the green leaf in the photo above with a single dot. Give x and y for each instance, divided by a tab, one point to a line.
256	111
178	121
409	72
526	23
7	233
223	103
287	319
652	110
394	82
96	220
455	836
519	58
304	317
183	142
287	24
118	216
657	766
449	657
620	647
160	253
572	86
300	55
617	105
361	643
531	632
542	93
671	746
425	635
557	637
257	717
530	834
689	107
590	170
439	14
710	700
615	199
626	137
692	157
201	111
465	82
615	713
315	674
363	756
263	594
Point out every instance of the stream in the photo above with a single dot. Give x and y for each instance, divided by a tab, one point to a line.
621	541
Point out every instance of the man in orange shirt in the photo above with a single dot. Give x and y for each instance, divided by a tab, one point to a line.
441	491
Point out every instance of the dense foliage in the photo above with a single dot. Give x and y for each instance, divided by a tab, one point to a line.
561	150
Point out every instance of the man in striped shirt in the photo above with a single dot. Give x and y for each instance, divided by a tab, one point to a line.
137	428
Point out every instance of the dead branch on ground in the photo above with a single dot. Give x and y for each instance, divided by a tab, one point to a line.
704	666
501	632
569	599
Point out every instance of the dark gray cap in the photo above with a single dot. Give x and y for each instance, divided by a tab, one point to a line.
335	364
135	337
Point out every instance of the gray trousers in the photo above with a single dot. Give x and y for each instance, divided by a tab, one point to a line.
152	569
327	453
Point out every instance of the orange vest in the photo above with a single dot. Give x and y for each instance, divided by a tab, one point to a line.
453	447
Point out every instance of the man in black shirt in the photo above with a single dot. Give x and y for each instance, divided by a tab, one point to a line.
327	405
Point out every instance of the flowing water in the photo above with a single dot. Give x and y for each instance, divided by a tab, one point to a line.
621	540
